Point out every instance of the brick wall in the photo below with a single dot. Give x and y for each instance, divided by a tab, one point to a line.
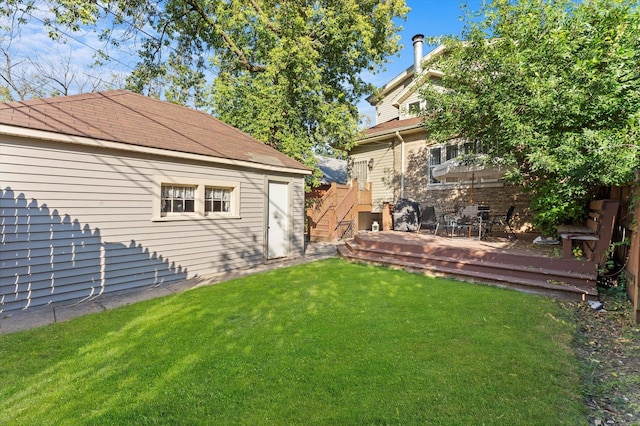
497	196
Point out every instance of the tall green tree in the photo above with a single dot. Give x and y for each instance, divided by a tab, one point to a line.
551	87
288	72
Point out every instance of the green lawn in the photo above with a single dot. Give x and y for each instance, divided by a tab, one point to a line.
323	343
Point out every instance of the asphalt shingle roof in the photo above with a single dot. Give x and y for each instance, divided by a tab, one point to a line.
393	124
129	118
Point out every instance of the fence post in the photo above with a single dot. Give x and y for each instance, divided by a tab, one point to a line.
387	221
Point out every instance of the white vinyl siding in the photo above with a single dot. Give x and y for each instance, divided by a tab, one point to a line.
385	109
298	214
381	174
77	222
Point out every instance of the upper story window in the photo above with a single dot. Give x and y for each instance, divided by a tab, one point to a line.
435	158
452	151
410	109
469	148
438	154
177	198
360	170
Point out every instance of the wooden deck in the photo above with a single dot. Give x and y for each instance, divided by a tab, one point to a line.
520	264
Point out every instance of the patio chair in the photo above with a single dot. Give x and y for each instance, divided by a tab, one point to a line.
468	214
429	220
467	221
484	214
505	221
448	217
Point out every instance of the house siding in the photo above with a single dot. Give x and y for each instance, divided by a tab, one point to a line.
77	222
385	110
415	171
381	176
386	181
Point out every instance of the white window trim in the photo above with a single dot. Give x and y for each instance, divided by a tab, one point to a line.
199	213
405	109
458	183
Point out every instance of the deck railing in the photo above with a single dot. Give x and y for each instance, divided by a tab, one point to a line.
336	213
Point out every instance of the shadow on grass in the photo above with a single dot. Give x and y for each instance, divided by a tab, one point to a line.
327	342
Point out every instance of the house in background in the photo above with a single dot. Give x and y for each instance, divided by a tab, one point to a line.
334	170
110	191
397	158
334	207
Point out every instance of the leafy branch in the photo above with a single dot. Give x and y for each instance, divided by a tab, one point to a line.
242	59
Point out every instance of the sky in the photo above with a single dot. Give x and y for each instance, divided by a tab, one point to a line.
427	17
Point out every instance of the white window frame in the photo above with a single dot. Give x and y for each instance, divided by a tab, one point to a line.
172	198
214	199
199	202
430	179
360	170
406	110
455	182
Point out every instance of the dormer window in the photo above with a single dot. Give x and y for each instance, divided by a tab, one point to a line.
410	109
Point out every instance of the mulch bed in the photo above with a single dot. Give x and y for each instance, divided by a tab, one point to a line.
608	346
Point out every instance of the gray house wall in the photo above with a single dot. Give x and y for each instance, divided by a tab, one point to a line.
79	221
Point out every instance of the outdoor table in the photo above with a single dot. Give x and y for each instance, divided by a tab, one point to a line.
454	227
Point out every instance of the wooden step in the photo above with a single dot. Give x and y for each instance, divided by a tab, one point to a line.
568	285
518	267
439	247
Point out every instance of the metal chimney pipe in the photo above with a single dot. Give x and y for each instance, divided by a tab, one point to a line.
417	40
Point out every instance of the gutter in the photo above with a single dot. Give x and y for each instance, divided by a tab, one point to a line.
21	132
390	132
402	166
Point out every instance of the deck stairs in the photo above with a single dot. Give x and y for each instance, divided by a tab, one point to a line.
335	215
568	279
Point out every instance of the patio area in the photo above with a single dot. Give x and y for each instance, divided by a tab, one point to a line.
519	264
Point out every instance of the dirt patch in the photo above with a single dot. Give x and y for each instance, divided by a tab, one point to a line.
608	346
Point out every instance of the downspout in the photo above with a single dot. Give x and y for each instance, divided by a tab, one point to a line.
401	164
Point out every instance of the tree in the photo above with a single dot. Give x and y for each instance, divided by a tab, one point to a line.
551	87
25	74
288	72
39	77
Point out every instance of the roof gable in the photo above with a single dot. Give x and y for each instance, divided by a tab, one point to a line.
415	85
407	74
129	118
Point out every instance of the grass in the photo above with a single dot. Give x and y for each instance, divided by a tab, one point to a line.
323	343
